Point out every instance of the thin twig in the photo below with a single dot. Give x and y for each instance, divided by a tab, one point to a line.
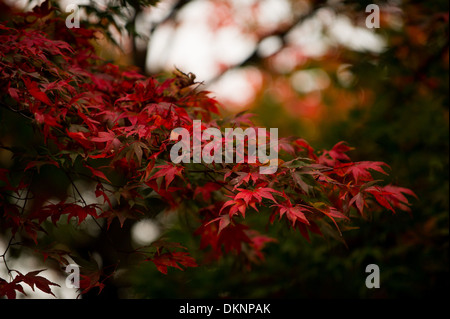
4	256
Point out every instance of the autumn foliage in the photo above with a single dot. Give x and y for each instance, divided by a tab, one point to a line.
111	126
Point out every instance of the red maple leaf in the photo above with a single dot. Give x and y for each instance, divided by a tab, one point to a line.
330	212
31	279
335	155
258	194
293	212
172	259
232	238
247	177
246	197
9	289
34	90
168	172
206	190
359	202
258	242
361	171
81	139
55	211
97	172
91	280
391	197
396	196
236	206
302	144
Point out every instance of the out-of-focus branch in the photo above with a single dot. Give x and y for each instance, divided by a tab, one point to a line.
172	14
140	55
281	33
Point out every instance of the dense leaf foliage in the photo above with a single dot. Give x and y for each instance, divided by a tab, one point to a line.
110	127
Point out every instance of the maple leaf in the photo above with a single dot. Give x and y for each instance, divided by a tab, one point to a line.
100	191
221	233
359	201
236	206
209	237
223	220
91	280
391	196
81	139
32	228
206	190
232	238
97	172
380	196
8	289
396	196
285	144
14	93
247	177
299	180
243	118
55	211
168	172
172	259
59	255
81	212
361	170
34	90
39	164
245	198
304	229
335	155
142	93
121	213
169	194
302	144
258	242
106	137
293	212
33	280
258	194
330	212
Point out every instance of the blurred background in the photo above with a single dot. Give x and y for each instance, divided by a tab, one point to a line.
312	69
